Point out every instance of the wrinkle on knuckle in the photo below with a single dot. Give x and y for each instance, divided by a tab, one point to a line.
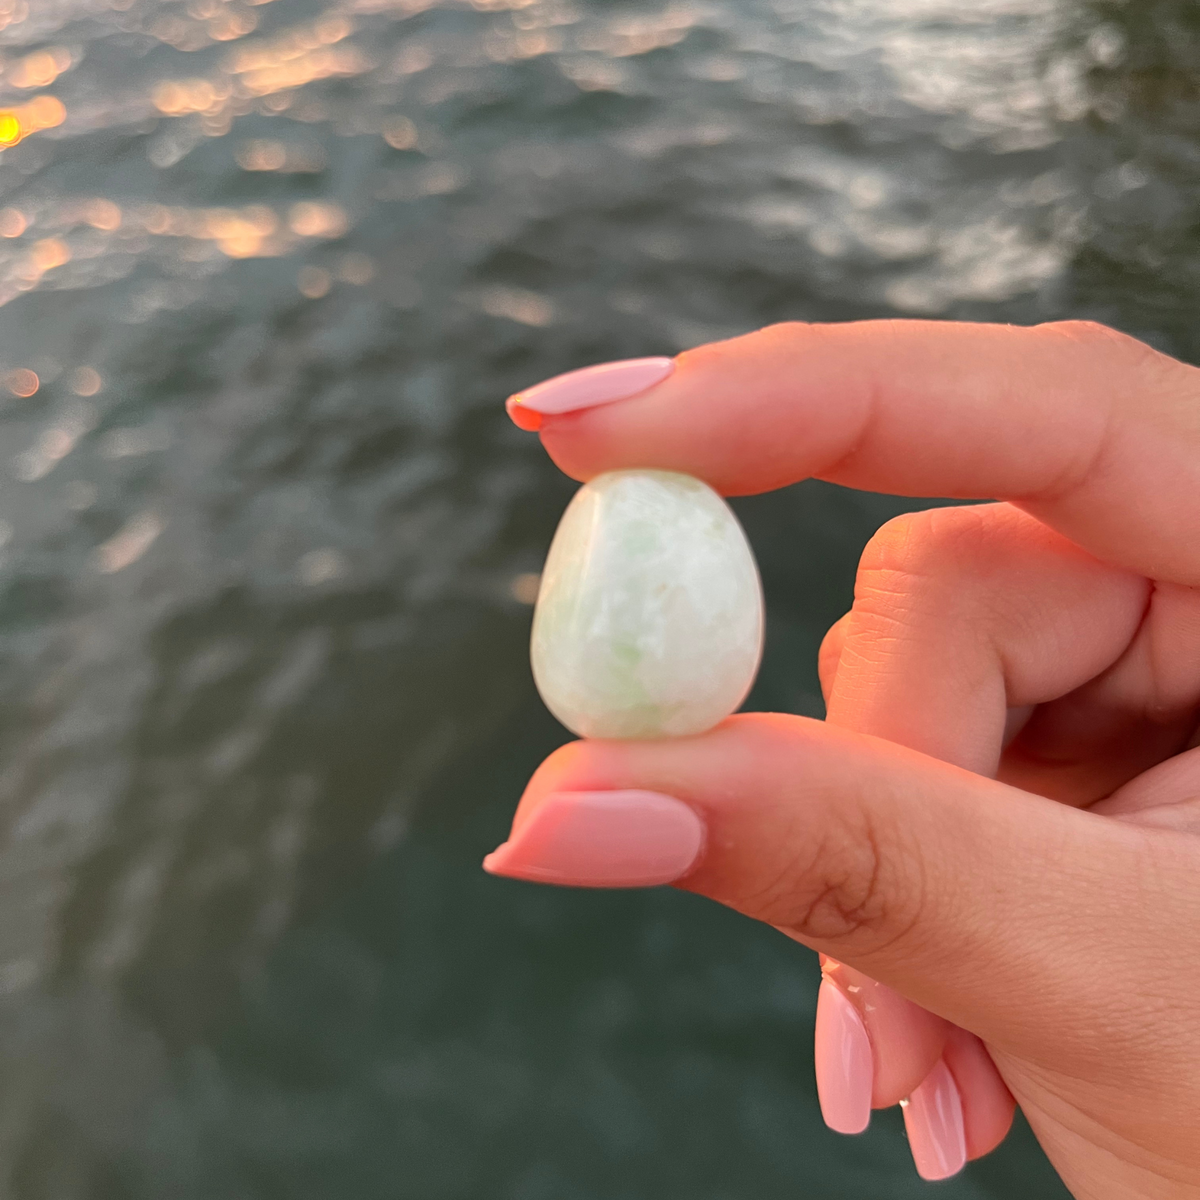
922	568
856	886
772	893
1141	377
893	615
886	603
935	548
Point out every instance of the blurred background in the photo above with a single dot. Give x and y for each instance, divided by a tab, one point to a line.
267	272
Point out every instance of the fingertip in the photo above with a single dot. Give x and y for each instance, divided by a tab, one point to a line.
933	1120
606	839
988	1105
494	863
908	1039
843	1061
522	417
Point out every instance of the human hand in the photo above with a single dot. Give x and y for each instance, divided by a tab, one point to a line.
999	820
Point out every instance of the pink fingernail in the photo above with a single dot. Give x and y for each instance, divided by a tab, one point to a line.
602	839
591	386
933	1117
845	1065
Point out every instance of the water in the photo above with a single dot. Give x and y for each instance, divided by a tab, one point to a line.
271	268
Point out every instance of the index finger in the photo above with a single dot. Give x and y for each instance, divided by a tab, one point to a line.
1091	431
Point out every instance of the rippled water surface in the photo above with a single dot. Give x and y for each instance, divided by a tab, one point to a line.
267	271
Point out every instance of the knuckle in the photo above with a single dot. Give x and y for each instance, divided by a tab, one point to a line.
849	898
1127	351
1140	373
854	887
1089	332
921	561
929	542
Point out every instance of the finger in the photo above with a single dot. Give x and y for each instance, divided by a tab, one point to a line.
900	1043
903	1045
960	1111
963	613
1140	711
982	903
962	616
1165	797
830	655
1093	432
988	1105
905	1039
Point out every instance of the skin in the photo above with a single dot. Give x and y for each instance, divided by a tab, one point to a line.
995	835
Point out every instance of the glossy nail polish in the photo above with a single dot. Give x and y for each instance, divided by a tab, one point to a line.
602	839
844	1062
587	388
933	1117
522	417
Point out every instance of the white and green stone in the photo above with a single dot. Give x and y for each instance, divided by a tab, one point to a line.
649	619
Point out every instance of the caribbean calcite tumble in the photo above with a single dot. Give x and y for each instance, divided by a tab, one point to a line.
649	619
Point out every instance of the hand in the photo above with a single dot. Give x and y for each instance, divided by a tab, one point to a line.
1000	819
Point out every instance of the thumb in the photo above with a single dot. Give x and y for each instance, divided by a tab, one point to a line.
1013	916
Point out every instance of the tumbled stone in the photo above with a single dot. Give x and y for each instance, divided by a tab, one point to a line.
649	619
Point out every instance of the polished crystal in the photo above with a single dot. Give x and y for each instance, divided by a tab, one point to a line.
649	618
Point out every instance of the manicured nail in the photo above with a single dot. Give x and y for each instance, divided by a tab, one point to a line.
522	417
587	388
933	1117
602	839
845	1065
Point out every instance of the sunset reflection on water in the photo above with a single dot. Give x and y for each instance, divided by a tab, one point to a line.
268	544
